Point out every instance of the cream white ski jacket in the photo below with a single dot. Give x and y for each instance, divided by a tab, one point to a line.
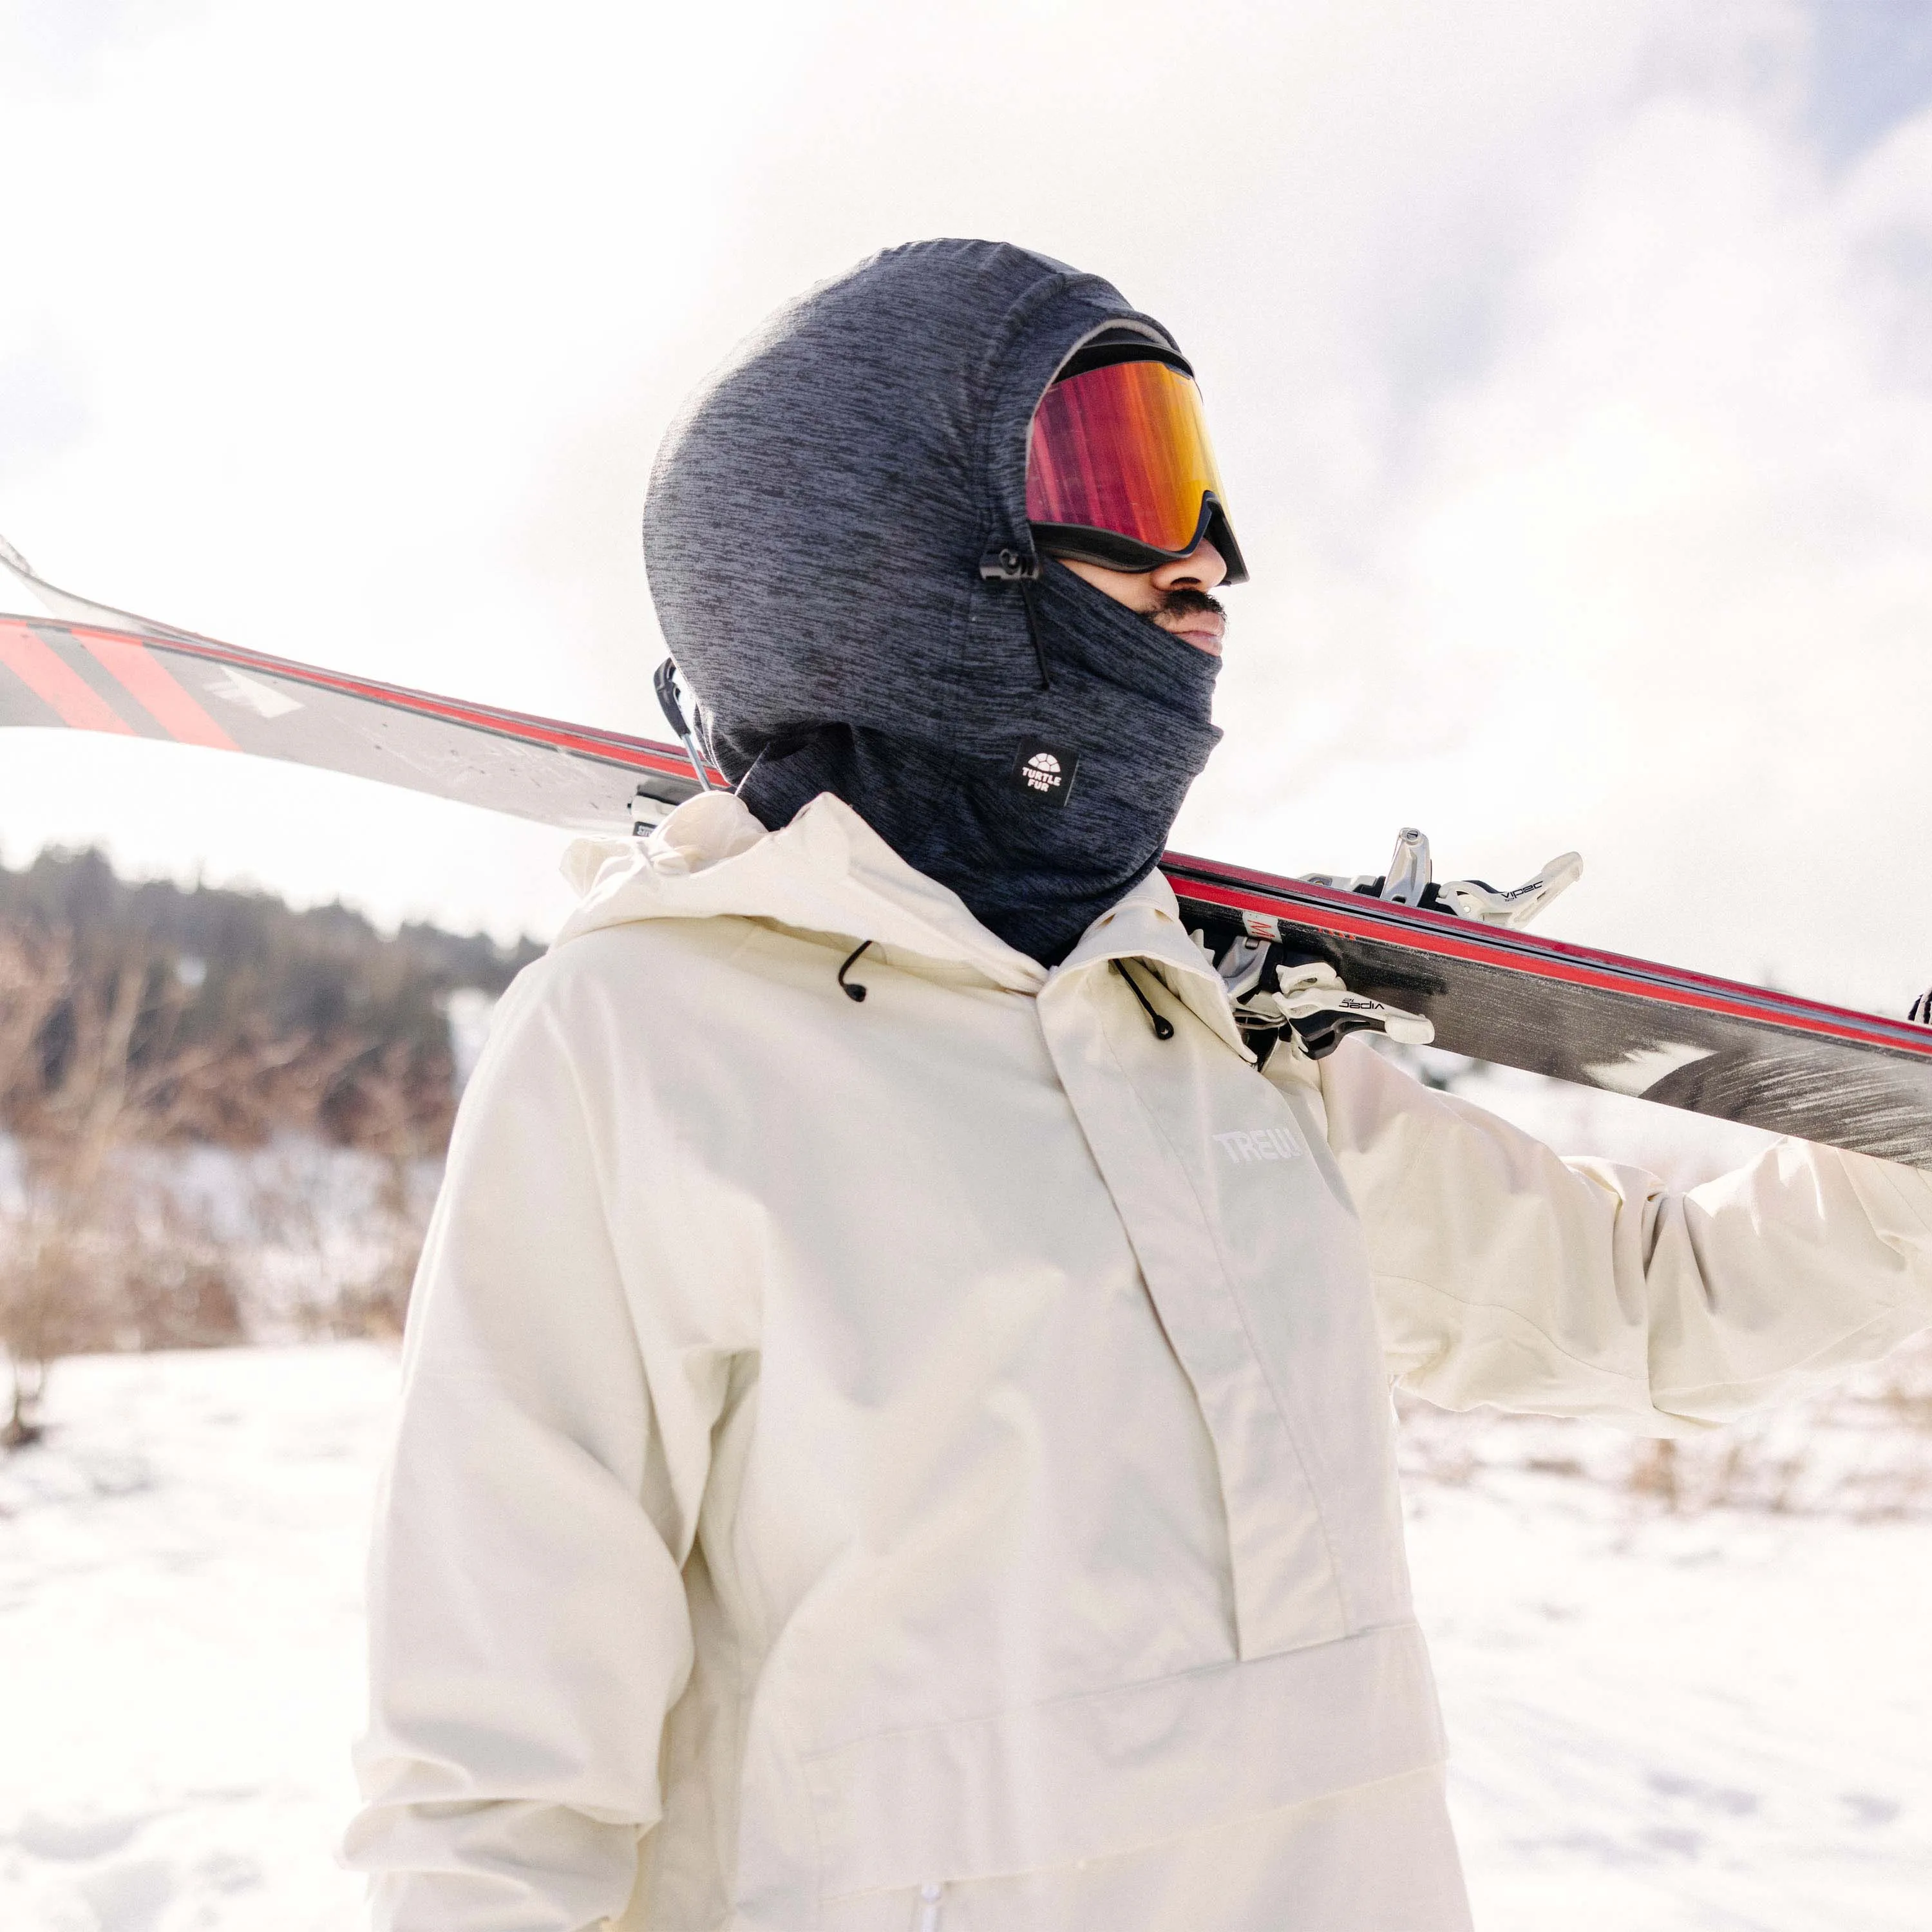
925	1465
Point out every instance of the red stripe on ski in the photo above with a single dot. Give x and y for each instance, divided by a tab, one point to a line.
57	685
135	668
612	747
1327	909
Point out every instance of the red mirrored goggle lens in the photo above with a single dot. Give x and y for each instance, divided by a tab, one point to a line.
1123	450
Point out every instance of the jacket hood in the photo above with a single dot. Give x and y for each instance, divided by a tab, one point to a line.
816	523
827	874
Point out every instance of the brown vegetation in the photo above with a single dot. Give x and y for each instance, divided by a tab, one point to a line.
139	1017
1860	1448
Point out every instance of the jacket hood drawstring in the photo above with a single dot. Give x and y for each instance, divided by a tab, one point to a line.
1163	1026
851	988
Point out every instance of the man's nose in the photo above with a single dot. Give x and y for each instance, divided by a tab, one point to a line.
1201	569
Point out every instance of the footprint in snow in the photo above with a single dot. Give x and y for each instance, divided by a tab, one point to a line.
1867	1808
130	1896
1712	1797
76	1839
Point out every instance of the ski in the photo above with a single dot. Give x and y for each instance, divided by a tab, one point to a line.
1717	1047
82	666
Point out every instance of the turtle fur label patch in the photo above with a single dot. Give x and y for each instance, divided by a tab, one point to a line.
1045	772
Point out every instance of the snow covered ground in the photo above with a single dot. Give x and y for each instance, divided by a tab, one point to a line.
1717	1721
180	1668
1722	1721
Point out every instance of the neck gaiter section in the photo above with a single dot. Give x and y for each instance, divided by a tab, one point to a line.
1062	808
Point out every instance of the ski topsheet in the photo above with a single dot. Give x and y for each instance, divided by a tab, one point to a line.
1713	1046
86	666
1738	1052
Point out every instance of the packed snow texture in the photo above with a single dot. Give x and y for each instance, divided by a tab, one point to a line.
180	1648
1718	1720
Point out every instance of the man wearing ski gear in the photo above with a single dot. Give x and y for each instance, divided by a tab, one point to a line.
926	1463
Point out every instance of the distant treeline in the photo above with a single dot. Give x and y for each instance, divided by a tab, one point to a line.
203	1013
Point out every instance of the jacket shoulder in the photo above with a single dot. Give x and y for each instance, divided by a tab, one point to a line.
658	973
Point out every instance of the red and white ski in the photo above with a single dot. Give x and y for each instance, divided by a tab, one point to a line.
1713	1046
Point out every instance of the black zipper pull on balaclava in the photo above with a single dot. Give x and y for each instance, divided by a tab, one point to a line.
1006	564
1030	605
816	537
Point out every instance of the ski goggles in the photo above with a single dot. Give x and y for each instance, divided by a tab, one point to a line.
1120	471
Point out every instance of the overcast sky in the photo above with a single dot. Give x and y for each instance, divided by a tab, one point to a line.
1570	362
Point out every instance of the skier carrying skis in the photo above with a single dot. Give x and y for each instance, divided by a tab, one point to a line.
896	1430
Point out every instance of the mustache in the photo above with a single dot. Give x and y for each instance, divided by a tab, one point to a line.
1189	604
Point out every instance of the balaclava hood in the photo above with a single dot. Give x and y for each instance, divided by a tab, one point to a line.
817	522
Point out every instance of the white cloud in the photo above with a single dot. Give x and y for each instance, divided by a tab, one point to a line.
1669	547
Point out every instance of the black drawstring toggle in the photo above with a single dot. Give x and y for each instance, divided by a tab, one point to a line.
850	988
1163	1027
1007	564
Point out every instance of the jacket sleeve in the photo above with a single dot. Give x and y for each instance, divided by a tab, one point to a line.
1504	1274
528	1628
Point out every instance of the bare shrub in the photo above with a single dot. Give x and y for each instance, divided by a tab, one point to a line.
45	1286
336	1235
92	1064
143	1025
123	1265
54	1301
1861	1449
1653	1471
177	1280
387	1105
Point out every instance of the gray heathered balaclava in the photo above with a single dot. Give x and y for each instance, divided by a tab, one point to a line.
815	533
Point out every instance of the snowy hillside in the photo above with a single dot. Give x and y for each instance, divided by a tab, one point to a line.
1669	1723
